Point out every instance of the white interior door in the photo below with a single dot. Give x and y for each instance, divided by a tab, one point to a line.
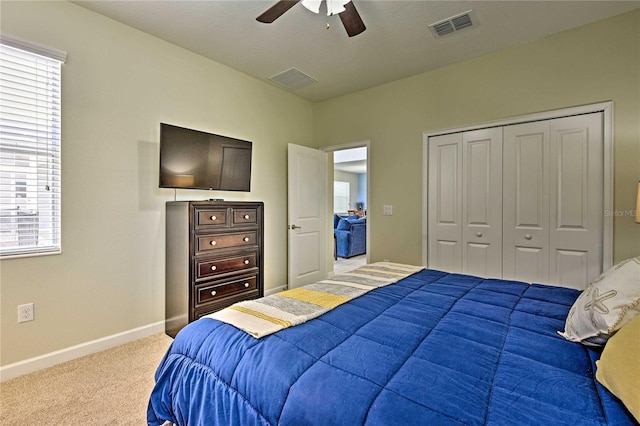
465	202
307	190
576	200
482	202
557	183
445	203
526	202
553	201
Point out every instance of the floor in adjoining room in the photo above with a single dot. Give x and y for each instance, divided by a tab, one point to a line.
342	265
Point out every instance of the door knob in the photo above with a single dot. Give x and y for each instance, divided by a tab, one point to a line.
295	227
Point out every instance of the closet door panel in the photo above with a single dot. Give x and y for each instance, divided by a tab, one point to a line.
526	202
530	264
571	268
576	200
482	202
445	202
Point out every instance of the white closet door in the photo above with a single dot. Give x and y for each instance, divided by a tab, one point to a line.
526	202
482	203
445	203
465	202
576	200
553	198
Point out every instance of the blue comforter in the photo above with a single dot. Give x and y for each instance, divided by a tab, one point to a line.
432	349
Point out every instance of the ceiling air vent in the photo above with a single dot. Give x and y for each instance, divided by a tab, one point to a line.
293	79
453	24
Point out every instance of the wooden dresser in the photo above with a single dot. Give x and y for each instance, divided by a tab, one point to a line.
214	252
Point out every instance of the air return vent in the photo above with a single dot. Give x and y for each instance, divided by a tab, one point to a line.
293	79
453	24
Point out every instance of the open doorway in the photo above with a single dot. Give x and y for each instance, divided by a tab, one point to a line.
350	196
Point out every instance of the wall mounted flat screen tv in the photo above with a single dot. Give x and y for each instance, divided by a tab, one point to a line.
198	160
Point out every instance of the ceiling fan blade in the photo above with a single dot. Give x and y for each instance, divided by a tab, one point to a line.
351	20
276	11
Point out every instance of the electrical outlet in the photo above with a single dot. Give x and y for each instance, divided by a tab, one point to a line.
25	312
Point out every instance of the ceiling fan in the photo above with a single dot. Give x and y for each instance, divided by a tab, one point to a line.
345	9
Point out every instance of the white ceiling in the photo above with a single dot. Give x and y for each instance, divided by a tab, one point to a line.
396	44
352	160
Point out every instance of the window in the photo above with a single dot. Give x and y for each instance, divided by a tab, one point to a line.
340	196
30	119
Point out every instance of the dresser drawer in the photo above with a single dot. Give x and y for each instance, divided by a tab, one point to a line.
206	268
245	216
210	308
208	217
209	293
219	241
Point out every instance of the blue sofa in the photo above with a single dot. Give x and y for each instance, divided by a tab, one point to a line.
350	234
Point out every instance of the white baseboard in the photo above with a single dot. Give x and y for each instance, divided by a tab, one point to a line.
274	290
30	365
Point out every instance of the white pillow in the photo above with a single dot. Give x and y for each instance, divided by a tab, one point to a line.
608	303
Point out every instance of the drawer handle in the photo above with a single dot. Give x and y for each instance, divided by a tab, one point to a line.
213	243
246	285
214	267
213	292
245	239
479	234
528	236
213	218
246	261
246	216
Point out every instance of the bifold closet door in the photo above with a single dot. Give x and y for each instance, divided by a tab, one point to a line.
482	202
553	201
445	203
526	202
576	200
465	202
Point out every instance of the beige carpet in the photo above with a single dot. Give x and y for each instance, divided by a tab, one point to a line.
107	388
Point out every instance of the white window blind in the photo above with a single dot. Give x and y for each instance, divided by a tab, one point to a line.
341	196
30	120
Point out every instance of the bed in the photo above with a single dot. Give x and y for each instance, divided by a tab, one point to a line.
430	349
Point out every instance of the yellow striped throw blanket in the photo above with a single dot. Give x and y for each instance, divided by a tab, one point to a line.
269	314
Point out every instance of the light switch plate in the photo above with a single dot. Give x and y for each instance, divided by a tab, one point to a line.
387	210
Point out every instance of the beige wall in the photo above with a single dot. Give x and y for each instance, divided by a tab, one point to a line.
590	64
118	85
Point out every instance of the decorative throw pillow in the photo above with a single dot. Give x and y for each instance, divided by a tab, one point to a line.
344	225
336	220
619	366
608	303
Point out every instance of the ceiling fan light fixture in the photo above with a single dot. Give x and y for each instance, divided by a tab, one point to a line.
347	11
312	5
333	6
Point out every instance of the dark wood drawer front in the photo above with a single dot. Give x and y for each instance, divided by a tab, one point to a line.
212	217
212	293
220	241
210	308
211	267
242	216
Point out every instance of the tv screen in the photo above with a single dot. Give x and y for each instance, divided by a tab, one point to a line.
198	160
